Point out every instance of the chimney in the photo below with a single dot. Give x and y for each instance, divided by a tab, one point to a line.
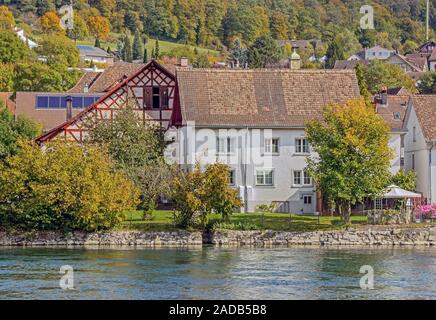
184	62
69	101
384	96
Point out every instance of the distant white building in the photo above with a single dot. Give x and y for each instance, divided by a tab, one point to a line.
376	52
94	54
20	33
420	143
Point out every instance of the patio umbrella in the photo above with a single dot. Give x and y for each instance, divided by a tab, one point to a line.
395	192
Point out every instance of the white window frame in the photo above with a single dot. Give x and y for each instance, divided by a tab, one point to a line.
268	146
226	145
299	146
264	172
303	174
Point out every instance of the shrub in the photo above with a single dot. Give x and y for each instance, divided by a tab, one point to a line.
63	186
199	193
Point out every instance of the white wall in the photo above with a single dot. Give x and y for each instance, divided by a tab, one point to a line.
200	145
395	145
419	149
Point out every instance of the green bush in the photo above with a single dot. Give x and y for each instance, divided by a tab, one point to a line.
63	186
242	226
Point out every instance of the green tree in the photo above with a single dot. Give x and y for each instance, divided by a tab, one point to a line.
7	76
59	50
145	57
360	74
97	43
66	186
80	29
202	61
264	51
12	49
42	77
405	180
138	48
156	50
427	85
379	73
353	156
7	20
12	130
135	148
127	49
199	193
334	53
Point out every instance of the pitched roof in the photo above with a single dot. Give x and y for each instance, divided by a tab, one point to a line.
87	79
92	51
394	112
262	97
5	97
349	64
425	108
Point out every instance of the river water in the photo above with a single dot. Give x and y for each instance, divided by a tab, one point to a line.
217	273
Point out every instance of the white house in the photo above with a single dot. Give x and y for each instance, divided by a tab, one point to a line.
20	34
254	121
420	143
376	52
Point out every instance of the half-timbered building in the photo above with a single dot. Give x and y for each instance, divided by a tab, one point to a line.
150	92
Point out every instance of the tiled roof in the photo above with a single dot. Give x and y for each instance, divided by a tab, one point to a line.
87	79
425	108
263	97
114	74
395	111
99	82
349	64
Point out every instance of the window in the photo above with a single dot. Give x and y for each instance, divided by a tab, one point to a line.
413	162
307	180
307	199
164	97
297	178
301	145
265	177
397	115
414	134
272	145
156	98
232	179
226	145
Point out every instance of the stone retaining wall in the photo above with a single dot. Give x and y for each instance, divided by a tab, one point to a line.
114	238
385	236
378	236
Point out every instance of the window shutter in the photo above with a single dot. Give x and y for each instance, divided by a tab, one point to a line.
148	96
164	97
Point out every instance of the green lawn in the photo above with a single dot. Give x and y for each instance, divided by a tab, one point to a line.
163	221
164	46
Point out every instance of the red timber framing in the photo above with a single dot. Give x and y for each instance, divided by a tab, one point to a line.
151	91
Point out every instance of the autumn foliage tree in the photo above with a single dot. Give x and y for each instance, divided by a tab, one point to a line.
199	192
7	20
99	27
63	186
50	23
352	154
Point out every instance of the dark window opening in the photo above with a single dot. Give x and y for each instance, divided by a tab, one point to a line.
156	98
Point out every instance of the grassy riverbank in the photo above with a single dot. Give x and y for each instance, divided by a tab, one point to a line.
164	221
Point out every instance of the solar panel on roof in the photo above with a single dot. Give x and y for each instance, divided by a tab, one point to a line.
60	102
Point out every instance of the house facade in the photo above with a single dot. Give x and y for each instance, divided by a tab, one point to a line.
420	143
252	120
